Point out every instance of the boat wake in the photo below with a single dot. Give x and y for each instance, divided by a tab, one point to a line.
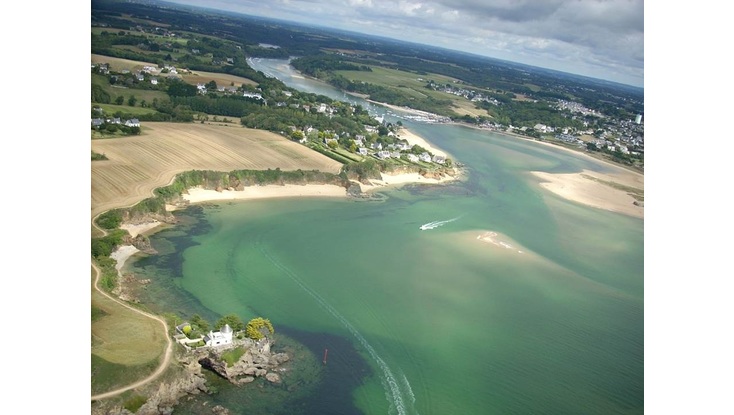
393	390
436	224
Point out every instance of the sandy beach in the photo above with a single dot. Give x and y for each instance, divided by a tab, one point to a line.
122	253
414	139
604	191
198	195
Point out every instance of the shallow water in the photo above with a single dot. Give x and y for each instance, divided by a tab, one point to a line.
431	321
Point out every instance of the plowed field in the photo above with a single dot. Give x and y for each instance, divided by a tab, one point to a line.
139	164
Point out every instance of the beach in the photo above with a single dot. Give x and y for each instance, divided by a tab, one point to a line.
198	195
414	139
604	191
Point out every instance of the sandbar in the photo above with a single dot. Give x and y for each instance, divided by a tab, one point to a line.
612	191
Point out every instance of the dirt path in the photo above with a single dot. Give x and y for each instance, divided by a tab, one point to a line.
169	348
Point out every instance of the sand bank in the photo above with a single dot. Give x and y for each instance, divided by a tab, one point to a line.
197	195
611	192
414	139
498	240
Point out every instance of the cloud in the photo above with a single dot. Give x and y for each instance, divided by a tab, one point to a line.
580	36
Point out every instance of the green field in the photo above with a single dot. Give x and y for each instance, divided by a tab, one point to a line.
413	85
112	108
126	346
115	91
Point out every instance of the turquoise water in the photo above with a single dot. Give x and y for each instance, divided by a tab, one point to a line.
434	321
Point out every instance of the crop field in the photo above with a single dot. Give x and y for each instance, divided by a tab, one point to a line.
139	164
118	64
222	79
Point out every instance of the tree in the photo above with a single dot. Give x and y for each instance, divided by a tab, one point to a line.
211	85
199	322
297	135
119	100
132	100
233	320
258	327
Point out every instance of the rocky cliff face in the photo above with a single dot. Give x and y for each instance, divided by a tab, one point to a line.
256	362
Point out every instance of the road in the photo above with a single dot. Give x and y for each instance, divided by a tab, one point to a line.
169	348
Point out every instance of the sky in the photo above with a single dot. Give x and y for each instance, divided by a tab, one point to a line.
598	38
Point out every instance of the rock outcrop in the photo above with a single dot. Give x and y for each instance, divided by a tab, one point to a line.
257	361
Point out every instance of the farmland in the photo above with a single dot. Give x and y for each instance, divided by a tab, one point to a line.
414	85
137	165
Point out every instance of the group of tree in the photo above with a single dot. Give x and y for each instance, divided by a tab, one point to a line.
256	329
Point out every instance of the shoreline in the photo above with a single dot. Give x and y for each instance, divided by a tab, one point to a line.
414	139
551	145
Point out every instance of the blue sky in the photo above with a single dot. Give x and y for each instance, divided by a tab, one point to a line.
598	38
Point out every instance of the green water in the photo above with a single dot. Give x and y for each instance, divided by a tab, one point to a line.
459	325
434	321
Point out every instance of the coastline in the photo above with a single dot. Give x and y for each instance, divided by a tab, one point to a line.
595	189
414	139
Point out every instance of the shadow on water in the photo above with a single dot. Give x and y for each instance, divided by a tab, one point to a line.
343	372
308	385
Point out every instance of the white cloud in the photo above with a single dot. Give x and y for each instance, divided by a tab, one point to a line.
598	38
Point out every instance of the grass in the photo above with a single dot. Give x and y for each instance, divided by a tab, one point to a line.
637	194
232	356
107	375
414	85
134	403
114	90
122	336
112	108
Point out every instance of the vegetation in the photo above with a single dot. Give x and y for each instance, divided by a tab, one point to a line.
103	247
134	403
258	328
98	156
110	219
200	323
107	375
234	321
231	356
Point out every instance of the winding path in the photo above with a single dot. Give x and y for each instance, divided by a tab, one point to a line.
169	348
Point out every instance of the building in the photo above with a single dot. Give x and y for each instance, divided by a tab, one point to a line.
219	338
638	119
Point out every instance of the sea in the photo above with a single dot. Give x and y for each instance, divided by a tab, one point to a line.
488	295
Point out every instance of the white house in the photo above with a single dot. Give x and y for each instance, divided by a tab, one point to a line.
439	159
413	158
219	338
132	123
425	157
